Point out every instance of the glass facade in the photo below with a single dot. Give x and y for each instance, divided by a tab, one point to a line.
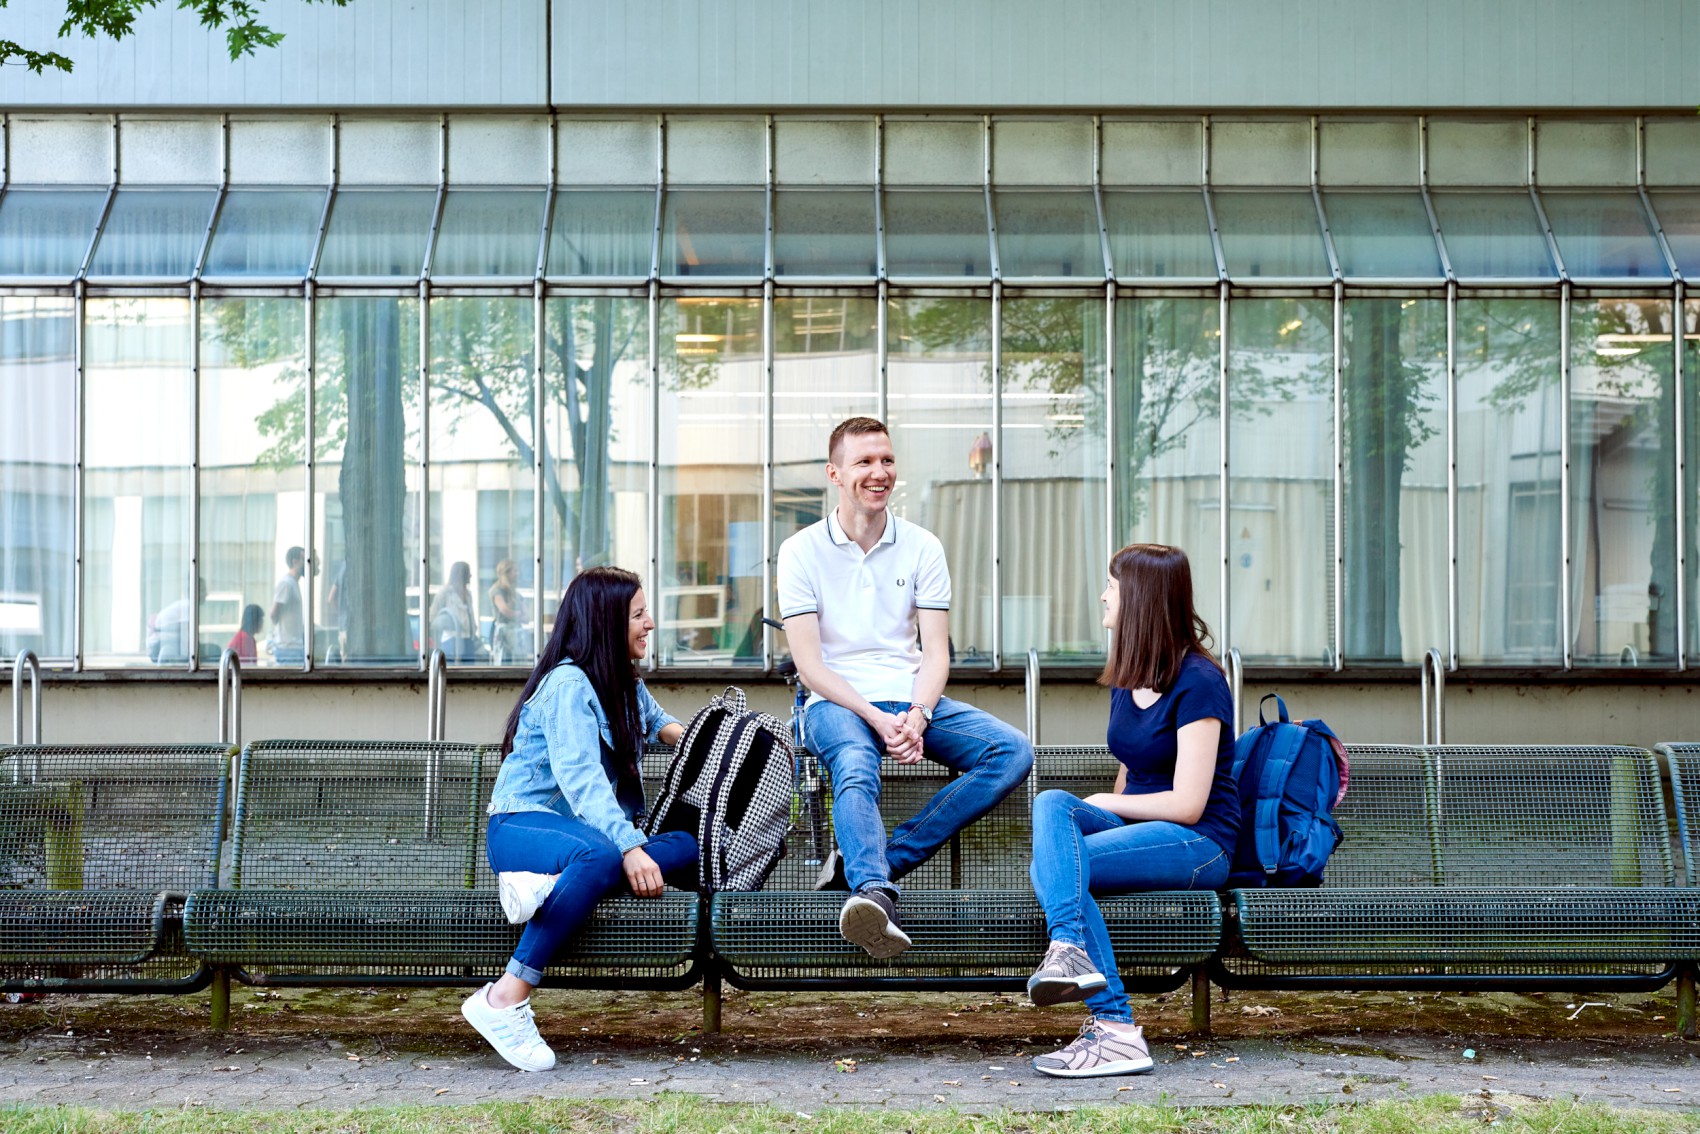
1381	419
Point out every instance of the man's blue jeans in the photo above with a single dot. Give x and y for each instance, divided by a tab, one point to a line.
591	867
1080	850
992	757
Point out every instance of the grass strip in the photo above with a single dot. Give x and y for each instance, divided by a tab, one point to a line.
688	1114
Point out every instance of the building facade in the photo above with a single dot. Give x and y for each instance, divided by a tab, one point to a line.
1381	314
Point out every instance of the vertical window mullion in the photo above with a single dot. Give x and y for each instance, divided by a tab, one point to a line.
1452	473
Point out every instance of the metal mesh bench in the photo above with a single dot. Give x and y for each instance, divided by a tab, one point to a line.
363	863
1477	868
1683	760
98	846
970	909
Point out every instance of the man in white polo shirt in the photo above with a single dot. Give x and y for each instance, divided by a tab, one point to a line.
866	599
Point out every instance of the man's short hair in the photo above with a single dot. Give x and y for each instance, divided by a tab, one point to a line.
293	556
852	427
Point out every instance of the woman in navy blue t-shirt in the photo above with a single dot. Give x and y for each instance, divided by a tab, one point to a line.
1170	821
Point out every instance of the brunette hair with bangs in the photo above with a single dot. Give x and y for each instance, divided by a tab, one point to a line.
1157	625
852	427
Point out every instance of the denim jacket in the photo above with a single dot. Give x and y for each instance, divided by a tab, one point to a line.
557	763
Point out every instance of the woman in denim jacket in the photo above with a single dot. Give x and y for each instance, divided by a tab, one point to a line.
565	810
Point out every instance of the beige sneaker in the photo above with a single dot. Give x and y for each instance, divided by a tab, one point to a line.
1098	1051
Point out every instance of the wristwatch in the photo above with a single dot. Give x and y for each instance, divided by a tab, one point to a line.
925	712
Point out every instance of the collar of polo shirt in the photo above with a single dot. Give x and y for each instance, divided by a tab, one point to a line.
840	537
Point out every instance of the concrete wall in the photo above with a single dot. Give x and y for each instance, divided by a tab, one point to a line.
1071	713
768	54
1128	53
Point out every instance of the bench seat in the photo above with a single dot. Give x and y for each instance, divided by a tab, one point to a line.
282	936
991	938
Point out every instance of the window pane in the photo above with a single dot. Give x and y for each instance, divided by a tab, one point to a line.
1493	236
366	484
1393	398
602	233
377	233
489	232
714	232
1054	477
1679	218
825	369
266	233
481	480
1281	491
598	430
1159	235
38	543
1622	481
824	233
1508	481
939	369
46	232
1168	435
253	479
1048	234
1271	234
153	232
939	233
1604	235
138	427
1382	235
711	479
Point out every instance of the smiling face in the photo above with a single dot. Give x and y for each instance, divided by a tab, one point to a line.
638	625
1112	600
865	471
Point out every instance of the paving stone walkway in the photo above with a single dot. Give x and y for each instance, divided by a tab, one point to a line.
45	1068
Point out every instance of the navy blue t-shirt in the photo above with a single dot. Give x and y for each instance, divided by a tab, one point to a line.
1144	741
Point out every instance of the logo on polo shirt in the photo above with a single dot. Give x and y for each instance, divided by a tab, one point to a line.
900	582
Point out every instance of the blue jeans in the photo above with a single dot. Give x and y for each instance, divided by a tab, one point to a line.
590	867
992	757
1080	850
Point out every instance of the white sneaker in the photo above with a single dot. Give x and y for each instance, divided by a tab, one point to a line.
522	891
511	1031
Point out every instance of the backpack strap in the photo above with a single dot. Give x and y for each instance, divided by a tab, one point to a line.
1283	754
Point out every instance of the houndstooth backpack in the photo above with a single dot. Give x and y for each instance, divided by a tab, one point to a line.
730	784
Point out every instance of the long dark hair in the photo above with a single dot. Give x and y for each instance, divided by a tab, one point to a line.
590	628
1157	626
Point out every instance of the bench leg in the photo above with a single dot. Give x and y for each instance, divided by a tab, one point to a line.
1685	999
711	1004
1201	1001
221	1000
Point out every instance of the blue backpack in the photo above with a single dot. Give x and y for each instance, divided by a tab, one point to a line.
1291	775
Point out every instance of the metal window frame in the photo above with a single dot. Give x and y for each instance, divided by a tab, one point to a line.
1109	289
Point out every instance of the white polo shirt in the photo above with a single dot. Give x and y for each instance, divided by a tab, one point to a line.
866	602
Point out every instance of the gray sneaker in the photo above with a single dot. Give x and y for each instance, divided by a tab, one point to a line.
1097	1051
1066	973
869	919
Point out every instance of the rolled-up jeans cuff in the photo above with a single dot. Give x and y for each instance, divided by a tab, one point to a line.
525	972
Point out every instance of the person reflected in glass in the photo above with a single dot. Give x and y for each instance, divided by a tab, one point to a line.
1170	820
566	811
509	612
289	635
454	624
243	641
168	630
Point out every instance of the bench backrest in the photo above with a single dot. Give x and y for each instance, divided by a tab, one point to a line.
1386	820
358	815
1550	815
1683	760
112	816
